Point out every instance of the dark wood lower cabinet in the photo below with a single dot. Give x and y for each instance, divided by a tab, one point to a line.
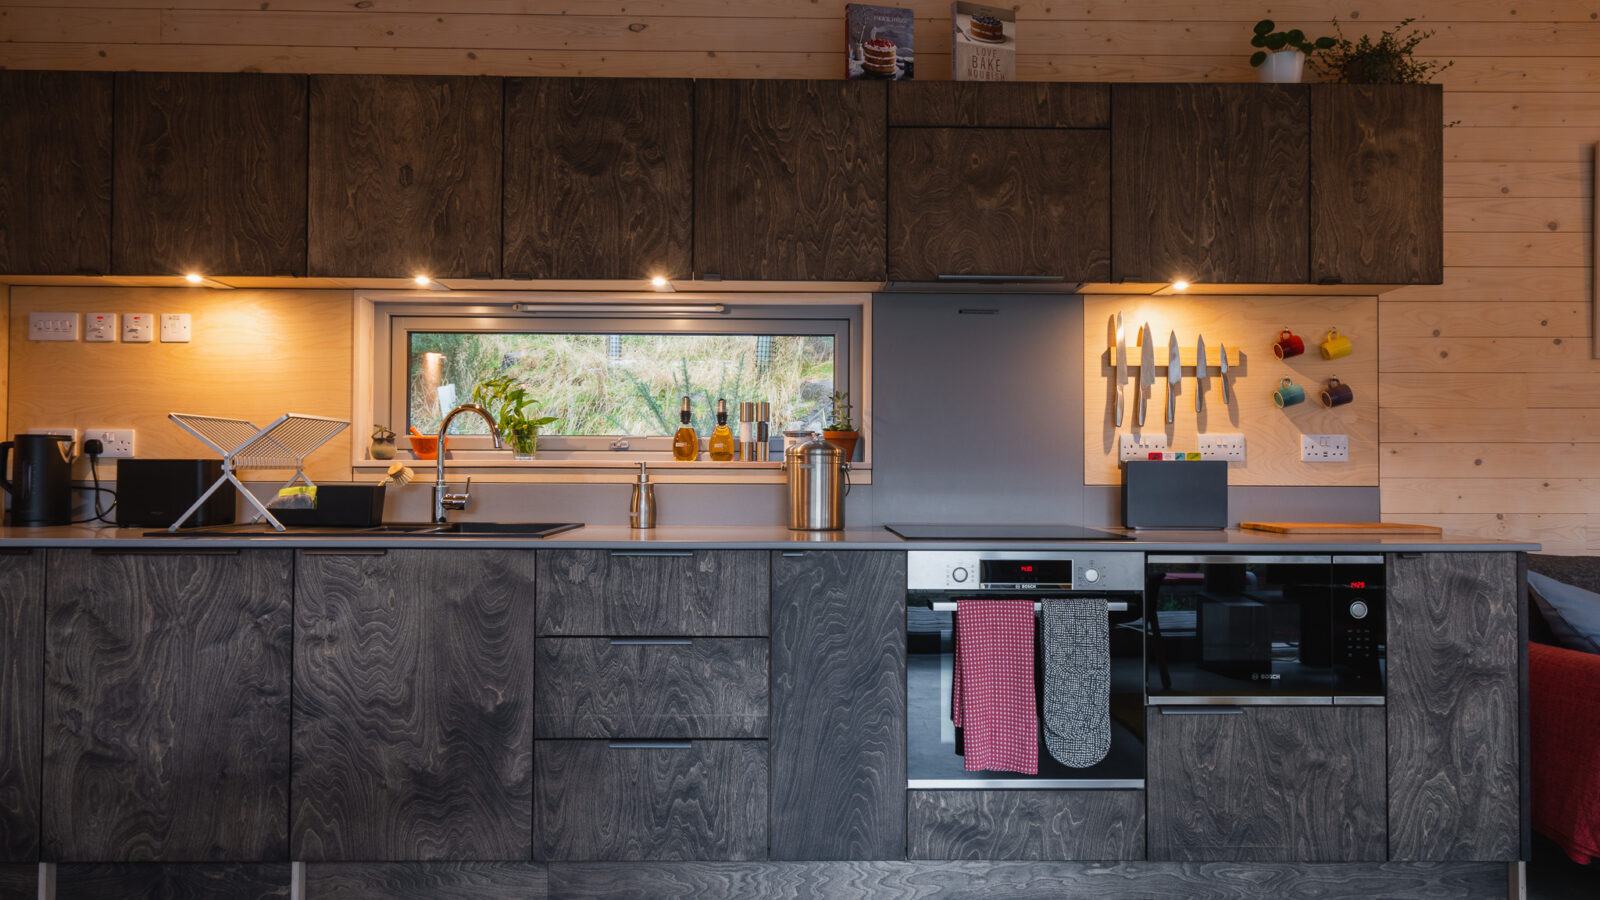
650	800
426	881
166	710
173	881
1267	783
1025	825
19	882
21	693
692	593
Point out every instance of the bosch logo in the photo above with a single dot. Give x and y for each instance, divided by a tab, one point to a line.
1257	676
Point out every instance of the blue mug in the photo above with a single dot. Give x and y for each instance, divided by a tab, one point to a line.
1288	394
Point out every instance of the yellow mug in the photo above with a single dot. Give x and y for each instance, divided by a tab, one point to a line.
1336	345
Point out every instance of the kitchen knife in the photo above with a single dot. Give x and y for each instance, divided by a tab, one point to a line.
1122	365
1224	376
1174	375
1200	374
1147	369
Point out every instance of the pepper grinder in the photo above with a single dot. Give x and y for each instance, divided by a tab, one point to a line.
642	508
763	443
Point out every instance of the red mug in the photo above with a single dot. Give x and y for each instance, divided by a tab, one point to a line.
1289	344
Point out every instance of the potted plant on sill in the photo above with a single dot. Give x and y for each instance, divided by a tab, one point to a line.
382	443
1283	57
507	401
840	431
1388	60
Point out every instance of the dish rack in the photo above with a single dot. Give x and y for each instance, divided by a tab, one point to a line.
284	444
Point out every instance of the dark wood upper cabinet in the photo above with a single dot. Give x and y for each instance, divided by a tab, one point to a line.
21	695
1000	201
789	180
405	176
1210	183
210	174
55	176
1377	184
994	104
598	177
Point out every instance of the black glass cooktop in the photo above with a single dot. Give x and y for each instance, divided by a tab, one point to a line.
1002	533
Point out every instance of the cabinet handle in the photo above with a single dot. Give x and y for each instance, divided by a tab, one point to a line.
650	745
793	554
627	553
999	279
151	551
376	551
652	642
1201	711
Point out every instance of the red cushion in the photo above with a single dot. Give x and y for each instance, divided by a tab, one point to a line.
1564	733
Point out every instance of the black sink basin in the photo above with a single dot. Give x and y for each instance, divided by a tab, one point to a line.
504	529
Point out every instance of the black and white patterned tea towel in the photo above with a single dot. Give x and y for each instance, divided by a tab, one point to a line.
1077	680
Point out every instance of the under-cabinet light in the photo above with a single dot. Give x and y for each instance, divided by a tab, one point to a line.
537	309
198	280
424	281
661	284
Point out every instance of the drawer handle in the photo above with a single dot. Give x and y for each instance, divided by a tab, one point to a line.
650	745
624	553
148	551
1201	711
793	554
652	642
312	551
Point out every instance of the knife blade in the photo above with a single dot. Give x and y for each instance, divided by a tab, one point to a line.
1224	376
1174	375
1122	365
1200	374
1147	369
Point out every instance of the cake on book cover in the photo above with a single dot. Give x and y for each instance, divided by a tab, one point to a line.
983	43
878	42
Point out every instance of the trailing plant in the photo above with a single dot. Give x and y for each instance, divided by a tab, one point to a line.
839	417
1273	41
507	401
382	433
1388	60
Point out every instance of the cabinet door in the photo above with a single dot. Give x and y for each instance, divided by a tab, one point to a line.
838	768
998	104
1000	201
426	881
413	705
651	687
173	881
1053	824
55	176
789	180
1266	784
21	693
690	593
405	176
1454	762
1377	184
598	174
210	174
1211	182
167	705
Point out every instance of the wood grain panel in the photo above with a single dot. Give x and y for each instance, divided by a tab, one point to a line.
789	180
1502	495
1517	215
1562	534
613	592
55	176
413	705
210	174
167	706
595	687
405	176
1439	390
981	825
600	801
1453	707
1228	202
1444	319
1446	425
1503	283
426	881
1267	784
1552	250
19	881
1564	145
1000	201
1483	355
1026	880
838	771
21	695
1377	172
1513	179
173	881
1490	461
951	104
598	177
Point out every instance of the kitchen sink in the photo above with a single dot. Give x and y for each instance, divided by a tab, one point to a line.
399	529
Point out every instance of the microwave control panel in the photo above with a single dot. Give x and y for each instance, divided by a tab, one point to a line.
977	571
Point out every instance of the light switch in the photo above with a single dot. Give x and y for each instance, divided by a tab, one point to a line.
138	328
52	326
175	328
100	327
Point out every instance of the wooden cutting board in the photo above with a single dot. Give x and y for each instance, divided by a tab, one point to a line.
1340	528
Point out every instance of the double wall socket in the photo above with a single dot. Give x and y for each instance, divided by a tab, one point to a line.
1226	447
1139	446
118	442
1324	448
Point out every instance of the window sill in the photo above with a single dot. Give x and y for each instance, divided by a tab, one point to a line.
499	467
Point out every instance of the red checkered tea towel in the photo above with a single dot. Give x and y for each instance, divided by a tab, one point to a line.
992	696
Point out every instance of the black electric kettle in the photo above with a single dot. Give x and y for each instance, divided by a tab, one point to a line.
41	482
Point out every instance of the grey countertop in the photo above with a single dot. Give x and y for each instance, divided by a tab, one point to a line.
613	537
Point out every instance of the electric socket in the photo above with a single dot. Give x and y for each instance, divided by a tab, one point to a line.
1139	446
118	442
1226	447
1324	448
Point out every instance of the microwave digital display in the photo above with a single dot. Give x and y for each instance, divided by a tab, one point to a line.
1027	573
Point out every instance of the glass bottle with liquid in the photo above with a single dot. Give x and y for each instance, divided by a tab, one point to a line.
685	443
720	448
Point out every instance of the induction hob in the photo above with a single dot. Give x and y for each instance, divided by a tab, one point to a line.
1002	533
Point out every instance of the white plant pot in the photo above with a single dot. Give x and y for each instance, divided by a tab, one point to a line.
1283	67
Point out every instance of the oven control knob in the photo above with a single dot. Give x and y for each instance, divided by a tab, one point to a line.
1091	576
1358	609
958	575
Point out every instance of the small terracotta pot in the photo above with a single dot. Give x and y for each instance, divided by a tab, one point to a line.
844	440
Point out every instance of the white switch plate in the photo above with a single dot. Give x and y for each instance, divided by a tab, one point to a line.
52	326
100	327
1227	447
118	442
1139	446
175	328
1324	448
138	328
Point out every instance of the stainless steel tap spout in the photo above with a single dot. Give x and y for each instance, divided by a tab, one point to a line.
442	499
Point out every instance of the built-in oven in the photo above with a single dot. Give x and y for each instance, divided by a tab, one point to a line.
1234	630
936	581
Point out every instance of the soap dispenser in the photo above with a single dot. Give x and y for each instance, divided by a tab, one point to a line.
642	509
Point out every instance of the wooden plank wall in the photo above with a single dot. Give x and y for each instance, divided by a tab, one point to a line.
1489	398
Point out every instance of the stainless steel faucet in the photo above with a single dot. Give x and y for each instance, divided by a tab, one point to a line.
442	499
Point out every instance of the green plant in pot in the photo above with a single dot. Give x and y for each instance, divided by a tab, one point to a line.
508	402
1387	60
840	430
1283	55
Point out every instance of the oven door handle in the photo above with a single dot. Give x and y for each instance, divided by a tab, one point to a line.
950	606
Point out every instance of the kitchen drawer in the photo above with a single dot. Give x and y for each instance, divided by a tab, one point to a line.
650	800
651	688
700	593
1054	824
